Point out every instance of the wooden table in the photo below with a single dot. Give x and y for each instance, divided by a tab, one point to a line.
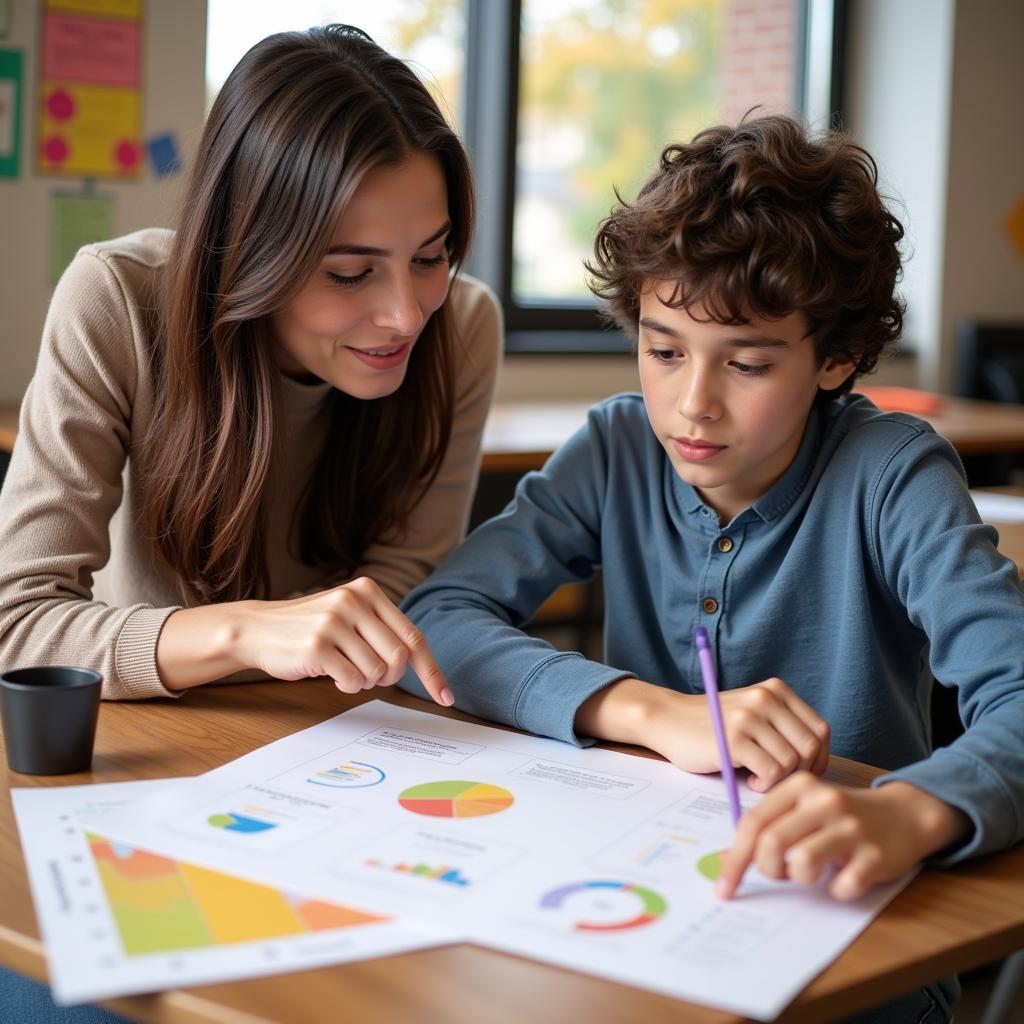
521	435
943	922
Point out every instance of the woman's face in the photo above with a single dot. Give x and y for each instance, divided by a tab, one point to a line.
355	321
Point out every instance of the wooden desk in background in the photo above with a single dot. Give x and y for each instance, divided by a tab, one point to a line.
944	921
8	426
521	435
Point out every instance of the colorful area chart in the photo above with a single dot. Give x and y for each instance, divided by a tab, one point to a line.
162	905
456	799
652	905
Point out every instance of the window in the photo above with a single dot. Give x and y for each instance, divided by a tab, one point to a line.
592	90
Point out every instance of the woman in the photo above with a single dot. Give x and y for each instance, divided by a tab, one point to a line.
246	441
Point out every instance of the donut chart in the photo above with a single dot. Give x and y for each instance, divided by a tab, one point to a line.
650	905
350	775
456	798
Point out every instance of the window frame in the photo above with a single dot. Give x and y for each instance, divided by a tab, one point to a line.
490	125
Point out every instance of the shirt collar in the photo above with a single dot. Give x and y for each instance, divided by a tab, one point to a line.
780	495
790	485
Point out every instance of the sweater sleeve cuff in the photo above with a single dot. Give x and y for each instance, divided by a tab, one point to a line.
967	784
136	675
551	696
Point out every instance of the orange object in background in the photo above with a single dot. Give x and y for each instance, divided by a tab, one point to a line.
912	400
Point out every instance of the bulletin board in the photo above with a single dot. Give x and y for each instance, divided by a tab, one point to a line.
90	93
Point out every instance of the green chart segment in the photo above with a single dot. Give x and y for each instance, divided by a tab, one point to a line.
710	865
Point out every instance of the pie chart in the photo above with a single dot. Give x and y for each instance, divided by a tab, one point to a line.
456	799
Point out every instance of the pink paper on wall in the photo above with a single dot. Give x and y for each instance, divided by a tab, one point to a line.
102	51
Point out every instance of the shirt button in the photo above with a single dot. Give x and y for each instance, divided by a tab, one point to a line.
710	605
725	544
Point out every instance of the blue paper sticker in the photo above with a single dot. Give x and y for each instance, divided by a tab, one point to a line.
163	154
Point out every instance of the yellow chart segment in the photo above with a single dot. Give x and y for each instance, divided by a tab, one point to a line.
481	800
239	911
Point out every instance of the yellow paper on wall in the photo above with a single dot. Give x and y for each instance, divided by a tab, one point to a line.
90	130
109	8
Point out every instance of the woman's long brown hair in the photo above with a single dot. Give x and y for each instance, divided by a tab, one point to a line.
299	122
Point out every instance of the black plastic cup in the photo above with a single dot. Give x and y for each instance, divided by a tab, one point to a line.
49	718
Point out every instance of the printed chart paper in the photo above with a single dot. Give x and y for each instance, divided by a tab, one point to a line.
994	507
118	919
591	859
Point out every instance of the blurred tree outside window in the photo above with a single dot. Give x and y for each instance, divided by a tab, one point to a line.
604	85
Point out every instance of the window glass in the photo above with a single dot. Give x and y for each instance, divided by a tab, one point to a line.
429	34
604	85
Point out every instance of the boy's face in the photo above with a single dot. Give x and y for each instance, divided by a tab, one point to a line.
728	404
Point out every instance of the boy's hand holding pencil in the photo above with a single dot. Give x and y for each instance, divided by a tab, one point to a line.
771	732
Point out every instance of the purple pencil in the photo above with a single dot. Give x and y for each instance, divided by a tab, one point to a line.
707	672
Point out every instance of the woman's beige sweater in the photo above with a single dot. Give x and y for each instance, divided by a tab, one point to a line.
80	581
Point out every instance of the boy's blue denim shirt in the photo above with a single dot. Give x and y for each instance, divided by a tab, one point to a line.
860	577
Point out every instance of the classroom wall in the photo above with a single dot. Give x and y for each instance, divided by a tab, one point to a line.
983	275
900	58
173	71
934	93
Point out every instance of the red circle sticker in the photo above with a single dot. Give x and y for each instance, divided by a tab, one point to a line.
60	106
126	154
55	149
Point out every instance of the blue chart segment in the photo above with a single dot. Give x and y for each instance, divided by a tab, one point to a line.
649	904
350	775
235	822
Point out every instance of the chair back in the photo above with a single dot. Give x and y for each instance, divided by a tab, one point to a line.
990	361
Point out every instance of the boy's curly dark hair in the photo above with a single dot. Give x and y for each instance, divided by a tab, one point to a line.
762	219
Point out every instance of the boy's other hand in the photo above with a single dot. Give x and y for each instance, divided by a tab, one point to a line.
805	826
771	731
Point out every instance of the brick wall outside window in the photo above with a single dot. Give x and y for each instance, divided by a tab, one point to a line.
758	61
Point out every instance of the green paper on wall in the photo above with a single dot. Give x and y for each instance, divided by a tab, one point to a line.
76	221
10	113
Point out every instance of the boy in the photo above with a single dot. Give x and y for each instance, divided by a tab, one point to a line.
831	551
